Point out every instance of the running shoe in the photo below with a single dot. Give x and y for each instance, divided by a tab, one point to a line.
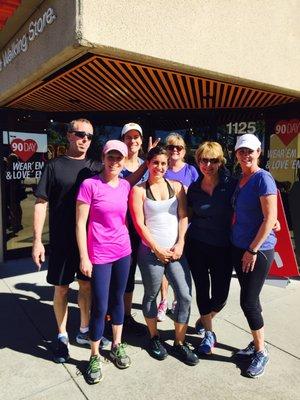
185	354
247	351
84	339
258	364
105	343
61	352
93	372
156	349
130	325
119	356
207	343
199	328
161	311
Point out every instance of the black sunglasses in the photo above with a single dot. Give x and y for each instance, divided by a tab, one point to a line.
82	134
172	147
209	160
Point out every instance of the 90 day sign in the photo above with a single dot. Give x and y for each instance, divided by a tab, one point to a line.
28	151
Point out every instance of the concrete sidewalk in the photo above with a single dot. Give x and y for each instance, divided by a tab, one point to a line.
28	327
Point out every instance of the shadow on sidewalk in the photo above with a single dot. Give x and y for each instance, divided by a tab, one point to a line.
27	320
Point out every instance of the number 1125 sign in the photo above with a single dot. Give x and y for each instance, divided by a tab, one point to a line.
239	128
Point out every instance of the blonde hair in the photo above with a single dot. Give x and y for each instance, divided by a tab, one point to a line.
210	150
175	139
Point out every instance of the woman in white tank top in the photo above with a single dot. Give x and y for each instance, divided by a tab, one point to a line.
158	209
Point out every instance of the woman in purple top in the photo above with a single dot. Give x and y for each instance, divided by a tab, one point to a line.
178	170
105	251
253	238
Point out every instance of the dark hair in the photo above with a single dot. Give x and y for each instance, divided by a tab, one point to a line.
156	151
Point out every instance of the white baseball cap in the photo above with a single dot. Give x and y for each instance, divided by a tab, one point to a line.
131	126
249	141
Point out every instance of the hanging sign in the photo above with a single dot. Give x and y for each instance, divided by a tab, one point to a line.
284	150
26	159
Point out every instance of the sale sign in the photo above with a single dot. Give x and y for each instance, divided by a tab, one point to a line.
284	152
25	154
284	263
24	149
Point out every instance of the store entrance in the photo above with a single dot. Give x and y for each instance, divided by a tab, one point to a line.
23	155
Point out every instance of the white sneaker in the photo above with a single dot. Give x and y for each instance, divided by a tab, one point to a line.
161	311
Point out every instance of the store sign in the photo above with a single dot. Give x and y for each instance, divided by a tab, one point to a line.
283	153
27	156
21	44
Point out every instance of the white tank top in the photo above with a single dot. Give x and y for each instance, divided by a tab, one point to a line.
162	220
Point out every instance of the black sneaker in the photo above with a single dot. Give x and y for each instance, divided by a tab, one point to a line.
61	352
185	354
130	325
119	356
93	372
156	349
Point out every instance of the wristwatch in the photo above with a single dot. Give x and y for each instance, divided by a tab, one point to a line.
251	251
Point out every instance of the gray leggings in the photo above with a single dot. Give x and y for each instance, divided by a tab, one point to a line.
179	277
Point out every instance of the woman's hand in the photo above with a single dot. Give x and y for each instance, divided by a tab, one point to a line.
177	250
163	255
86	267
248	261
152	145
277	226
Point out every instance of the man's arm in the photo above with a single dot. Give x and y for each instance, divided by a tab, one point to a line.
39	216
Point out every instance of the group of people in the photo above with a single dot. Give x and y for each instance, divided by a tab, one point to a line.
174	223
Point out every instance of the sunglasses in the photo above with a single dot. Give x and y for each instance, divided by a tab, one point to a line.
172	147
82	134
205	161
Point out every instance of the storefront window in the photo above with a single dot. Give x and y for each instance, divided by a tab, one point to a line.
24	155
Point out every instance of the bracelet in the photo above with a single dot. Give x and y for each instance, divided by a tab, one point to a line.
254	253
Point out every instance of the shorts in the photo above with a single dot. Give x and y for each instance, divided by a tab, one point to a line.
63	265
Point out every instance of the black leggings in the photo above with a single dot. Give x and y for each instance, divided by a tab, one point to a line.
251	284
211	268
135	243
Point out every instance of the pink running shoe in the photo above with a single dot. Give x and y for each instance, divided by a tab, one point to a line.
161	311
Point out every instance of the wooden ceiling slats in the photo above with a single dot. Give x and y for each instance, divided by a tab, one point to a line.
169	92
139	91
150	76
197	93
181	80
224	96
140	82
116	81
48	100
237	96
146	80
73	90
96	85
190	89
123	90
107	84
93	90
173	87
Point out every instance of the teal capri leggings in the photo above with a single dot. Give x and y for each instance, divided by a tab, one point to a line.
179	277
